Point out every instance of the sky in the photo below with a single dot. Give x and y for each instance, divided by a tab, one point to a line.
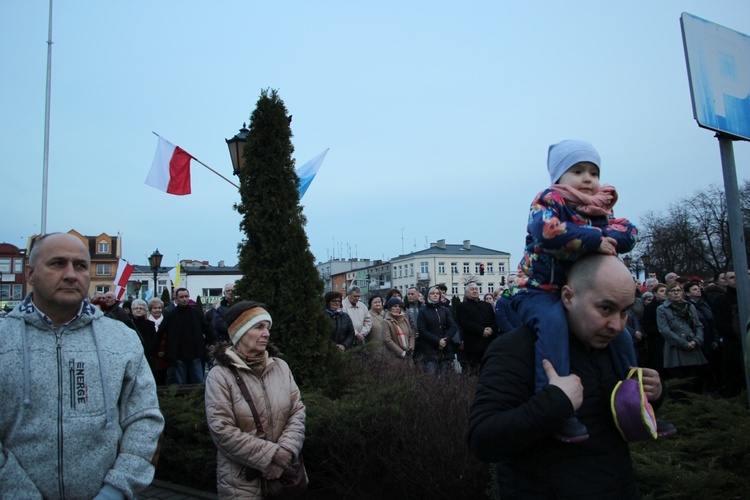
438	114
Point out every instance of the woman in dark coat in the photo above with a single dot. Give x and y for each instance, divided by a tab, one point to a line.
146	331
436	327
342	326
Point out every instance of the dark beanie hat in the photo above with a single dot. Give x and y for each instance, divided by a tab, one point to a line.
394	301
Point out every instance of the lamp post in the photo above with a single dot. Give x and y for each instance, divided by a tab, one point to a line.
155	262
137	289
236	144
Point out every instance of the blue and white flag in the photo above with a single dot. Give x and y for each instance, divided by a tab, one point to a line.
306	172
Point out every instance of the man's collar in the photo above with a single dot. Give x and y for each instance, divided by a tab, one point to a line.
43	316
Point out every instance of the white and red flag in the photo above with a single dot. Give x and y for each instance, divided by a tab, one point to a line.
170	170
124	270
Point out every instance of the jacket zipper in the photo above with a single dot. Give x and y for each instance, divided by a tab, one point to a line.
60	465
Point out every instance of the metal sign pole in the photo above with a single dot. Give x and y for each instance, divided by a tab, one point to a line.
737	239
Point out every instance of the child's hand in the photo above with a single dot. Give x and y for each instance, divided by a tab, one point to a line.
608	246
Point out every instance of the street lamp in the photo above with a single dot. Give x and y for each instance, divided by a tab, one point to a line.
137	289
236	144
155	262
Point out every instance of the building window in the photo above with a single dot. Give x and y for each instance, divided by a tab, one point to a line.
17	292
501	267
466	268
212	292
102	288
476	268
490	287
454	288
441	267
423	267
4	292
18	266
103	247
454	267
103	270
411	269
490	268
5	265
480	288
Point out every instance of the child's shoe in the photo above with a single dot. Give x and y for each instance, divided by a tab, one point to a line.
665	428
573	431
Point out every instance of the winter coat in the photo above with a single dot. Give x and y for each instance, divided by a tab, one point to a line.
376	333
177	345
79	406
393	347
505	316
558	236
434	323
473	316
232	427
513	427
343	330
677	333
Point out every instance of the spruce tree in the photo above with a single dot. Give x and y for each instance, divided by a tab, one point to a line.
275	259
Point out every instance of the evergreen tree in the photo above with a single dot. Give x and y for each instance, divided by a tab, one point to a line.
277	265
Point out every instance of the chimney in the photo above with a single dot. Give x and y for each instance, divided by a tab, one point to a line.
441	244
467	244
221	263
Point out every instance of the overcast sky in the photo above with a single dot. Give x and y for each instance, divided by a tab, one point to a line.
437	114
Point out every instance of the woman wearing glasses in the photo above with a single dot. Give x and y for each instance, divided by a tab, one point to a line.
341	323
683	337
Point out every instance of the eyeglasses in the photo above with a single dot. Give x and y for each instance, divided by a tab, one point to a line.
336	301
138	308
675	290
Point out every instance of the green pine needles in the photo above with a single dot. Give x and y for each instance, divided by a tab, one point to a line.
275	258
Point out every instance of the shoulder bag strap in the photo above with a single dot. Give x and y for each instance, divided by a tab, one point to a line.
246	395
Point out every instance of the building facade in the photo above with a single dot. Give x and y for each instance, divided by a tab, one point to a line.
452	265
12	276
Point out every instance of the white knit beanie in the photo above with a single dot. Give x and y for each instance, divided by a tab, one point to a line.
565	154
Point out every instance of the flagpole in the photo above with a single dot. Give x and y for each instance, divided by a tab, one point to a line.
45	167
211	169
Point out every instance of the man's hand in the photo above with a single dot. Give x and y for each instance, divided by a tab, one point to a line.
360	338
487	332
570	384
341	347
608	246
651	384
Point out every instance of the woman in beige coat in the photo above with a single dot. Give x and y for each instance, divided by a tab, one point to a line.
398	337
244	457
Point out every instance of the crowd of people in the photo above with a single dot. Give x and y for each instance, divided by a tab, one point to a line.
689	329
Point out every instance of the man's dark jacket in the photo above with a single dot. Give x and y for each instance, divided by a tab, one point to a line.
473	316
513	427
193	340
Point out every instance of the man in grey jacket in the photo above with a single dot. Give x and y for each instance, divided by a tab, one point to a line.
80	415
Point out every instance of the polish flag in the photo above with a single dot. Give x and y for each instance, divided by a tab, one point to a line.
170	170
124	270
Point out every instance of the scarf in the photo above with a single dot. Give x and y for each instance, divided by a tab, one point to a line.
255	363
592	205
333	312
682	310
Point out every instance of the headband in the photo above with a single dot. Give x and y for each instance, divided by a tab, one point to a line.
246	321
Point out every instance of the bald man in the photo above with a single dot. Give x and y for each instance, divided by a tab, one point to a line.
513	426
80	416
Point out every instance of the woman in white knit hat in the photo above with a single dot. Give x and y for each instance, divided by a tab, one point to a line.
246	456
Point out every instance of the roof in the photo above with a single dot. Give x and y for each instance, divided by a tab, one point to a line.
453	251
